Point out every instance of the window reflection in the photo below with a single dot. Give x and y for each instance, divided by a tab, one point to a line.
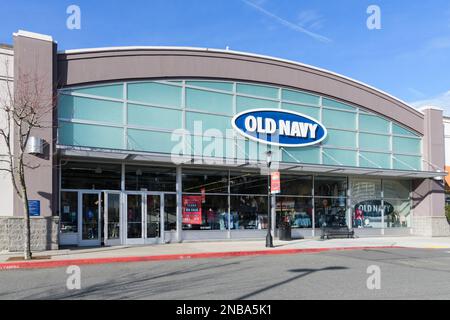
248	212
296	211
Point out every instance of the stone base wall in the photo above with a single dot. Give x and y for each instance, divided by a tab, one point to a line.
431	226
44	233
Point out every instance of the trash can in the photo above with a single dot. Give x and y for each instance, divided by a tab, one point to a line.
285	231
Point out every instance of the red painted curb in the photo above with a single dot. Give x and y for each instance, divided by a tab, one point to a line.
109	260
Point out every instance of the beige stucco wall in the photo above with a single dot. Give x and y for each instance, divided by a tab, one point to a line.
6	74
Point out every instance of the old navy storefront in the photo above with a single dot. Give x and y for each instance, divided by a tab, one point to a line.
155	145
157	161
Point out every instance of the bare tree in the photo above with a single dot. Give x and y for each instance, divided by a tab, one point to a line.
23	109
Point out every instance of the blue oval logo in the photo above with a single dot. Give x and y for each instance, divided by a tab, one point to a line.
279	127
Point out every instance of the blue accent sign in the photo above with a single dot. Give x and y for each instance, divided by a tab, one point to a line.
34	207
279	127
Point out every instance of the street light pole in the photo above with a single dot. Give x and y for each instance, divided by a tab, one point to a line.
269	239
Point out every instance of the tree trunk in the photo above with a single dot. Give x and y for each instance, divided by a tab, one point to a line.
27	229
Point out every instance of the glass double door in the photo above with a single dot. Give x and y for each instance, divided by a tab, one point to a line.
143	217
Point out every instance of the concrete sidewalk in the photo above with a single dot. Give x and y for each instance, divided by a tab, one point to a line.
190	250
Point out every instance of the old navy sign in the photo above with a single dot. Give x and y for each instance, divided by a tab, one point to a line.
279	127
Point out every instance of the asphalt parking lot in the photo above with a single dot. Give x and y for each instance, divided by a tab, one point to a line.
404	274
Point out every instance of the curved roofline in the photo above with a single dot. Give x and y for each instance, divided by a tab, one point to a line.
241	53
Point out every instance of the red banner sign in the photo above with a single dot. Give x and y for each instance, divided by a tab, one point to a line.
275	184
192	209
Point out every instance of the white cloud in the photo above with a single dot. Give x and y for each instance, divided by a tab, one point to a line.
286	23
441	101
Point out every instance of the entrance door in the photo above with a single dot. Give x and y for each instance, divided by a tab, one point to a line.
144	214
112	221
89	218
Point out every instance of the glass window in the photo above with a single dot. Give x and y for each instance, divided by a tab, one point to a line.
399	216
248	183
111	91
153	141
113	216
248	212
71	107
69	212
339	120
330	212
215	85
139	178
396	188
245	103
207	121
300	97
335	104
339	157
373	124
396	129
170	212
205	213
330	186
343	139
294	185
209	101
76	134
406	145
375	160
256	90
366	189
155	93
304	155
374	142
154	117
402	162
308	111
203	181
296	211
366	203
90	176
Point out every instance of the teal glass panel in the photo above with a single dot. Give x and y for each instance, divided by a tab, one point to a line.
154	117
112	91
300	97
223	86
209	101
396	129
151	141
84	135
309	111
339	120
375	160
155	93
373	124
335	104
304	155
257	90
209	146
207	121
344	139
80	108
245	103
407	145
337	157
402	162
374	142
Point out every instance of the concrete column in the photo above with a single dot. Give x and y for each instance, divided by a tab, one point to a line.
428	194
35	65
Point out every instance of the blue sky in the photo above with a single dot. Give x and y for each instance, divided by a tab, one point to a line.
409	57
